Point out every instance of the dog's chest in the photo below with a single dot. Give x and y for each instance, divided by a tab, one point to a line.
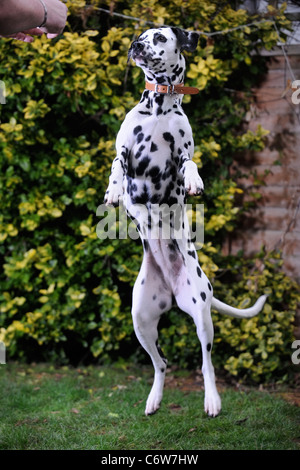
154	146
152	172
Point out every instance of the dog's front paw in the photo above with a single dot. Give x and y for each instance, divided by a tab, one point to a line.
192	181
193	184
113	195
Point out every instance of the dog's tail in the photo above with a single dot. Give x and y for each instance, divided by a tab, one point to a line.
238	312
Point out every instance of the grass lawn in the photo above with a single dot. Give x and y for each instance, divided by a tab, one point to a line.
102	408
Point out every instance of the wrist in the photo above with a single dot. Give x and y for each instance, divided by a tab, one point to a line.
20	15
45	14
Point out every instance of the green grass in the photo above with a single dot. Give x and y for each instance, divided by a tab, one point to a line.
42	407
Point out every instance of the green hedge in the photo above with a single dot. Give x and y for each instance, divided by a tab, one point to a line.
66	294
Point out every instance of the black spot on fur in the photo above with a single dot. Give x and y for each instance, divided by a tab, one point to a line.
137	130
160	352
140	151
172	258
159	100
142	198
199	271
155	174
194	300
208	347
203	296
142	166
154	147
173	245
140	137
162	305
209	285
169	138
155	199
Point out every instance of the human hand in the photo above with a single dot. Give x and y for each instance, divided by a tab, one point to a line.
56	18
55	23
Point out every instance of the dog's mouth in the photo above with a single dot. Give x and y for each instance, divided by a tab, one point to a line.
143	59
138	53
138	56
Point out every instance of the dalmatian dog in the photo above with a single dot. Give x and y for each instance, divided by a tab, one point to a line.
153	168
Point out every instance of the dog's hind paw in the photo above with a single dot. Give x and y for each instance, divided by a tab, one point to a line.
152	405
212	404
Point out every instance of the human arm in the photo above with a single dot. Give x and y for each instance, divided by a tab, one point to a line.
27	16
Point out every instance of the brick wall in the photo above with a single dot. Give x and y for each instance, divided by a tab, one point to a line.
275	222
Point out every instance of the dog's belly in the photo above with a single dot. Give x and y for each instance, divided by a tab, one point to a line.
165	261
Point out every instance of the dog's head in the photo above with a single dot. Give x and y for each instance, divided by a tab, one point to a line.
158	51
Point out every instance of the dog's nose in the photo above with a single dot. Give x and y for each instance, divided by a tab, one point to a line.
138	47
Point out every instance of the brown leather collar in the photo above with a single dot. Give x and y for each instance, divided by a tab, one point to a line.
172	89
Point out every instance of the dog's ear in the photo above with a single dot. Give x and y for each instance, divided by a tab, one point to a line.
187	40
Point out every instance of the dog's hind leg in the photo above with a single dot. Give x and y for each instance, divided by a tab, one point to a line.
151	298
204	325
197	304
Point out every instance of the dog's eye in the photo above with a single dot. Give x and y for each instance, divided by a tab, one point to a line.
161	38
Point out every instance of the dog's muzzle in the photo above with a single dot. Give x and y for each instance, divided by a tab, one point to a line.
137	50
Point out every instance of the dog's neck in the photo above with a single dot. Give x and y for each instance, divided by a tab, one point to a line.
160	104
168	74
